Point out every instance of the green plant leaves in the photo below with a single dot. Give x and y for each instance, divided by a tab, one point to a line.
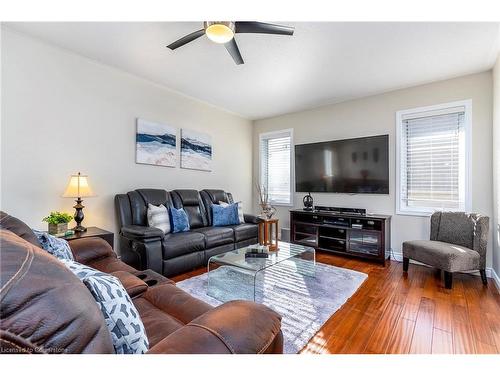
57	217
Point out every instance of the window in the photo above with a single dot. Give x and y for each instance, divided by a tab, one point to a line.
433	158
276	166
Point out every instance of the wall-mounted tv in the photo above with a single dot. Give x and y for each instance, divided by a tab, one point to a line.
356	166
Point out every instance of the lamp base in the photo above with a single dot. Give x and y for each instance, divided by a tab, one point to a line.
79	215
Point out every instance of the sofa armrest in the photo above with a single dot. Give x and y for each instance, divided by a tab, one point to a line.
88	249
132	284
237	327
252	219
141	232
146	242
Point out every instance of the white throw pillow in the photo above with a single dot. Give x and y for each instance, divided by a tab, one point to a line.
158	217
240	210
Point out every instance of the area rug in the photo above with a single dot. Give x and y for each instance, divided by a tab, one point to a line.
305	303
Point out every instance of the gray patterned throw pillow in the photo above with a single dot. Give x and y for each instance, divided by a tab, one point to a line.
58	247
122	318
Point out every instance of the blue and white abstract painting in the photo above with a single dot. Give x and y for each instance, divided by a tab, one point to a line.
196	150
156	144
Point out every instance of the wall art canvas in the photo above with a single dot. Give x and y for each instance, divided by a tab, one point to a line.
156	144
196	150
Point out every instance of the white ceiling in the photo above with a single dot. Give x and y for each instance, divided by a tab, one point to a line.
323	63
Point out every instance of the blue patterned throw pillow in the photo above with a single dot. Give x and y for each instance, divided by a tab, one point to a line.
178	220
225	215
58	247
122	318
241	215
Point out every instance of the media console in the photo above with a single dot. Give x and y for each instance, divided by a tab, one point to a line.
352	234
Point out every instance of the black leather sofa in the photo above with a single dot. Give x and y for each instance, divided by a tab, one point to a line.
144	247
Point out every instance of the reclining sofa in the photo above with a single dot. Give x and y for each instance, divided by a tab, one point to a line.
144	247
47	309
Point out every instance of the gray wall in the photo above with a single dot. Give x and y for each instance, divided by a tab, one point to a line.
62	113
376	115
495	226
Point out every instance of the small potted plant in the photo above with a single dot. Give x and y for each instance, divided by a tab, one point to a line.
58	222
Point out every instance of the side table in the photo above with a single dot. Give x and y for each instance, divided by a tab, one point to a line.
93	232
268	233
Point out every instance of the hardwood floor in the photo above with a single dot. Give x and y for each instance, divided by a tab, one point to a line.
397	313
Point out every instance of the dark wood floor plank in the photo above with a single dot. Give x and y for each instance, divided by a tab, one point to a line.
396	312
483	348
412	303
481	328
401	337
359	339
442	342
463	339
379	340
421	342
443	314
494	323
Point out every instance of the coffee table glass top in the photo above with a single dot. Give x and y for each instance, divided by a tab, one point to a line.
237	258
233	276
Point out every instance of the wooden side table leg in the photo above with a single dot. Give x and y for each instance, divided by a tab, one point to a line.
266	233
270	235
276	231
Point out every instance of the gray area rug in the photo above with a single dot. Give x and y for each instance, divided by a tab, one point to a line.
305	303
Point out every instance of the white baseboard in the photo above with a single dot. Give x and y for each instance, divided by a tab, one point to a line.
490	272
495	277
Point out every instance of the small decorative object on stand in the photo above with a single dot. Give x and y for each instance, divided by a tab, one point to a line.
267	211
58	222
78	187
308	202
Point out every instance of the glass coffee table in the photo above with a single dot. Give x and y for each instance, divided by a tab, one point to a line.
233	276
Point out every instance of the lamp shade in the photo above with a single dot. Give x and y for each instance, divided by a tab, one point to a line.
78	187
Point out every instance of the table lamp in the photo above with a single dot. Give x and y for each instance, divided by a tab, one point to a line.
78	187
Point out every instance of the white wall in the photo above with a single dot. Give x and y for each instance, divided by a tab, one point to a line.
62	113
376	115
495	227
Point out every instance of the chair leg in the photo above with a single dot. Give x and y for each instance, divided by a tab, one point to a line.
483	276
406	263
448	279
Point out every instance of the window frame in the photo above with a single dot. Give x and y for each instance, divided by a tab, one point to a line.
277	134
401	208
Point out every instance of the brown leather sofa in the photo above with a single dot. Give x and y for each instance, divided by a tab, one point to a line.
46	309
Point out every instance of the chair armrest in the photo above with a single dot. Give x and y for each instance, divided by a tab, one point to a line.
252	219
88	249
141	232
237	327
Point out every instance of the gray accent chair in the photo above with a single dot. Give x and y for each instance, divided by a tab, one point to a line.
458	243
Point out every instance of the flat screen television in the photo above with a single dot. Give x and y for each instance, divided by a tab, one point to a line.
356	166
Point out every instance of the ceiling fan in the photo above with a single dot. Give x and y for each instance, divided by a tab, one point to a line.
222	32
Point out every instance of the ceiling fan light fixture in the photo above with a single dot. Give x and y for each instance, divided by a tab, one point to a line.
219	32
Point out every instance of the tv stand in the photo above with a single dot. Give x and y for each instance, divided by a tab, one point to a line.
350	234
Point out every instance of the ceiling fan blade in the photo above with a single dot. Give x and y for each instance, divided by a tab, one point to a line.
234	51
263	28
186	39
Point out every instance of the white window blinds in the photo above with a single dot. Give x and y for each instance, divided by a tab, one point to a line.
433	160
275	166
